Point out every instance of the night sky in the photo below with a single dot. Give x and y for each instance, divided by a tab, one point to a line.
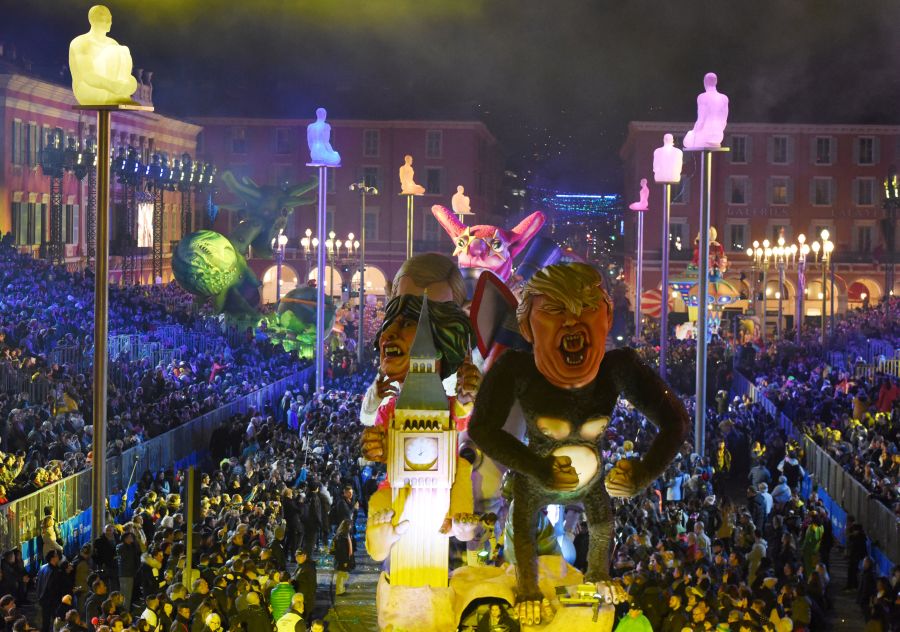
556	81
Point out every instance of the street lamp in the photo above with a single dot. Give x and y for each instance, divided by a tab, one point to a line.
333	251
310	245
889	229
364	192
762	253
278	245
803	251
826	248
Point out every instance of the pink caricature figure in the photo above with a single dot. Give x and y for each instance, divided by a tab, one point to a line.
486	247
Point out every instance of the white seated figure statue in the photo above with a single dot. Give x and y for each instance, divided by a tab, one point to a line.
318	137
667	161
408	184
643	202
712	116
460	202
100	67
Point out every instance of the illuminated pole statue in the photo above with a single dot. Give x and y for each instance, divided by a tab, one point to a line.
641	207
322	156
705	138
667	163
104	88
409	189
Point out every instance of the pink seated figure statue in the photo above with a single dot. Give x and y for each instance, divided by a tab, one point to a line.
643	202
667	162
712	116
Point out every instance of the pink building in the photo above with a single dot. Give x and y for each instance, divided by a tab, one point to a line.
788	179
31	110
274	151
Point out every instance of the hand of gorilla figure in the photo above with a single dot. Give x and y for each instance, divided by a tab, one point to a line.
625	479
563	478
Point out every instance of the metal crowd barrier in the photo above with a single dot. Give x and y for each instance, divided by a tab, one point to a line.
71	496
884	366
849	496
14	380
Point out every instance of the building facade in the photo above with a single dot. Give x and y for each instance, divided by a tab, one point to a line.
274	152
32	111
776	180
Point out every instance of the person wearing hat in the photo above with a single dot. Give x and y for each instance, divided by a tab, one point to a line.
304	580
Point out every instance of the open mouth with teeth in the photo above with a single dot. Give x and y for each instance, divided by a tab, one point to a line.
573	348
392	351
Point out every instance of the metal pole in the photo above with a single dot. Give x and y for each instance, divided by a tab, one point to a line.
361	337
664	307
101	324
824	272
801	289
765	300
191	519
320	284
780	297
409	226
831	318
639	275
278	260
703	307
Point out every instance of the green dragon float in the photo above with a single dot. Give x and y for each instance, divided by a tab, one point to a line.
210	265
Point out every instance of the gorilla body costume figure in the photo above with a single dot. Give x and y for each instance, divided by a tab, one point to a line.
567	391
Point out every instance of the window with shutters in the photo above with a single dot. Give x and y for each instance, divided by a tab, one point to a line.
779	190
371	224
737	236
434	140
865	150
739	190
284	140
780	150
822	191
678	235
865	191
433	177
238	140
18	143
863	234
824	150
371	143
740	149
370	177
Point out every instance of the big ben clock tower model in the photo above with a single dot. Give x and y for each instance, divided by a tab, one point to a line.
421	465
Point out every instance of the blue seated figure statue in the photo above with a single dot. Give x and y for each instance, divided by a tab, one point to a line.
318	137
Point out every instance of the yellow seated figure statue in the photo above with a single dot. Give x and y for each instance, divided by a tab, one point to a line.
408	184
100	67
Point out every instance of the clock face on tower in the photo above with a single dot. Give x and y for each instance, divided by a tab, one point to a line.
420	454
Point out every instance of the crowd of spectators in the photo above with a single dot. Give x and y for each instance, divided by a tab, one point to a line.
854	415
273	503
44	309
722	541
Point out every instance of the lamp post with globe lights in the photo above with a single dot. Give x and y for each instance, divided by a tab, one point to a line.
333	250
278	245
826	247
310	246
762	254
802	251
